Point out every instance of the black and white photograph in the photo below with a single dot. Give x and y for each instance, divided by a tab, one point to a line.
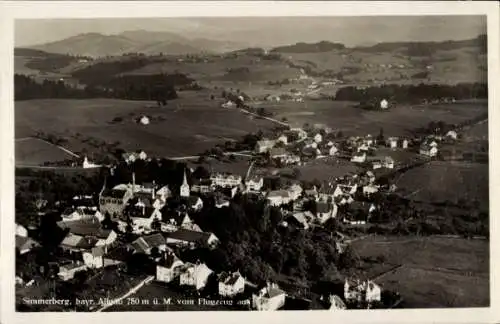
334	163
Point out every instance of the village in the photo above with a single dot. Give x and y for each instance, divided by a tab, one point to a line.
152	222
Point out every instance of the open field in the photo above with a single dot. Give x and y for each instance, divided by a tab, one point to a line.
33	152
453	181
186	126
354	121
428	277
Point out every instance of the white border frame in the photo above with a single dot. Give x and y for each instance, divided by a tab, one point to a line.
157	9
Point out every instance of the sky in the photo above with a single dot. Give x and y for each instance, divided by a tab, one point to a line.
265	31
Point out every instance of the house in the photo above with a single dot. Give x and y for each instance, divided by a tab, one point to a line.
278	197
168	267
428	150
371	176
25	244
131	157
225	179
336	303
404	143
231	284
67	272
173	220
85	234
302	219
254	184
384	104
94	258
229	192
283	139
290	159
452	134
202	187
146	243
392	142
295	191
333	150
189	238
114	201
301	134
359	157
370	189
362	147
163	193
325	211
194	275
142	216
311	192
89	165
278	153
356	291
82	212
368	140
264	145
373	292
194	203
269	298
388	162
359	213
21	231
318	138
221	201
228	104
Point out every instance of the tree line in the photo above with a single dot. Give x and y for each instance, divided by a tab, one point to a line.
413	93
153	87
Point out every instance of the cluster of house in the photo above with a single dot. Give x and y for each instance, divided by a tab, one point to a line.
327	201
430	144
295	145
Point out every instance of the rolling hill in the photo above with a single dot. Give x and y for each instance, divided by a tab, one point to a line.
136	41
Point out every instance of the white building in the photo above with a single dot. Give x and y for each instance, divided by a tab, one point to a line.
264	145
269	298
318	138
225	180
89	165
384	104
254	184
359	157
428	150
144	120
169	267
231	284
195	275
278	197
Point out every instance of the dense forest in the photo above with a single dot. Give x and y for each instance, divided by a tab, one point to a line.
413	93
151	87
319	47
427	48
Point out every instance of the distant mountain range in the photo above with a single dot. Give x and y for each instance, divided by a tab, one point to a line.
167	43
137	41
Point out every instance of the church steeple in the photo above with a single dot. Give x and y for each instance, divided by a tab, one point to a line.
185	190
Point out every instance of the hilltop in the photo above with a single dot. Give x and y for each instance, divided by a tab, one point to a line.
136	41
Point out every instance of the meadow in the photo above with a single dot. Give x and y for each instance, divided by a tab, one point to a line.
186	126
440	181
34	152
428	277
397	121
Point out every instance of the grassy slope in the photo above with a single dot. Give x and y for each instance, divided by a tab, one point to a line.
397	121
36	152
191	124
440	181
461	281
